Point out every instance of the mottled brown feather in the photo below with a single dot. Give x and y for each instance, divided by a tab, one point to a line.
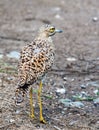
36	59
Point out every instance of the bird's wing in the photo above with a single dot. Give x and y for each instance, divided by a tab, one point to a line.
34	62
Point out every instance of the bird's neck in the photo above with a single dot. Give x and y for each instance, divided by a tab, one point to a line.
45	37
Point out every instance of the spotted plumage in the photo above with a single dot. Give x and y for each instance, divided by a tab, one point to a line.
35	60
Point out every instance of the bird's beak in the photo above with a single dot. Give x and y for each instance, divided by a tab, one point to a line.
58	31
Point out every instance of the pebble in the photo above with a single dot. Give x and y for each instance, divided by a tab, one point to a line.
65	78
87	79
56	127
56	9
69	103
61	90
95	84
83	86
72	79
1	56
12	120
10	78
57	16
14	54
72	123
71	59
96	101
95	19
83	94
96	91
77	104
17	111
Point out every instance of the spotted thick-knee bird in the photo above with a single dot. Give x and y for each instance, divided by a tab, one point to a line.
35	61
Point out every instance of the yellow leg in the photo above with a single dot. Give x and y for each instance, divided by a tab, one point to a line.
31	104
40	103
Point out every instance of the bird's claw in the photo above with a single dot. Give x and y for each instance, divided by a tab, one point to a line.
42	120
32	116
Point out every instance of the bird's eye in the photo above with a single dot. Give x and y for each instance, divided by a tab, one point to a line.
52	30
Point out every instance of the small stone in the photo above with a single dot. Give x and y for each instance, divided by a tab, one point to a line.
72	79
83	86
71	59
12	120
97	122
95	19
56	9
96	102
65	78
1	56
37	126
17	111
56	127
84	94
77	104
10	78
63	112
64	109
72	123
87	79
95	84
57	16
14	54
61	90
96	91
69	103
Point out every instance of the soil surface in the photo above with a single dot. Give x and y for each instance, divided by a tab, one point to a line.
75	74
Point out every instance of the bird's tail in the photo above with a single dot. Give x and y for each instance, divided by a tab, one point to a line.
20	93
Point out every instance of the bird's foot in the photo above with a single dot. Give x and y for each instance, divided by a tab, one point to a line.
42	120
32	116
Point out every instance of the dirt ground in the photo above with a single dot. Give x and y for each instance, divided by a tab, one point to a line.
75	70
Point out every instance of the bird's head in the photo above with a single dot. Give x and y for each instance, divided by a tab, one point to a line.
48	30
